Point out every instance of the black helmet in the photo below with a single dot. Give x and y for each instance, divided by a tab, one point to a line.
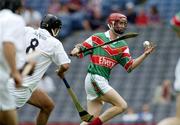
50	23
10	4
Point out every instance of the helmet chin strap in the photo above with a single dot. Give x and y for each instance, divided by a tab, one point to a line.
115	32
54	33
112	29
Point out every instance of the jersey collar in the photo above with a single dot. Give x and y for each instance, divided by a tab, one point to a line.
44	31
107	34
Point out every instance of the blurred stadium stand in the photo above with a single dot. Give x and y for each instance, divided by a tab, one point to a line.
167	8
137	87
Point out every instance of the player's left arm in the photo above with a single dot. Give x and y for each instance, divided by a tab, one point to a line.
125	59
129	63
61	59
62	69
147	51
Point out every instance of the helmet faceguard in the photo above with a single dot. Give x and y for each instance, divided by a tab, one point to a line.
52	24
117	23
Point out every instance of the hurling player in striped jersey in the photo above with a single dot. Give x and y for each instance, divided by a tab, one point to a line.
102	60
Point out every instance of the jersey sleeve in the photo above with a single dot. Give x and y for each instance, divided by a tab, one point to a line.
87	44
60	57
126	60
14	32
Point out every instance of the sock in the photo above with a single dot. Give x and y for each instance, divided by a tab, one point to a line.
96	121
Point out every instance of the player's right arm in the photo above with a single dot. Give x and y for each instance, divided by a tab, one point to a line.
10	46
10	57
88	43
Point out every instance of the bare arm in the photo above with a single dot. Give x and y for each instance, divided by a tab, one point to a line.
62	68
10	56
138	60
141	58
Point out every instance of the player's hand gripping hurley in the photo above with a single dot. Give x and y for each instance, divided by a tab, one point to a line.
84	115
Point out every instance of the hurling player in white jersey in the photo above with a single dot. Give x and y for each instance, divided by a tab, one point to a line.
175	120
49	50
11	51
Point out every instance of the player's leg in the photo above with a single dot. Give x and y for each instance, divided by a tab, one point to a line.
8	117
119	105
41	100
94	107
98	88
170	121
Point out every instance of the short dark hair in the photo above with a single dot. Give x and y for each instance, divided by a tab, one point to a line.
13	5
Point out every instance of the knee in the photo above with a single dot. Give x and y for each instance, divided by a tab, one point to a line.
48	107
122	107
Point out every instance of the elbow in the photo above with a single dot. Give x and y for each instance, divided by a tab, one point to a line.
129	70
131	67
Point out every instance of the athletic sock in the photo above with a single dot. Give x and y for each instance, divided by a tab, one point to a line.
96	121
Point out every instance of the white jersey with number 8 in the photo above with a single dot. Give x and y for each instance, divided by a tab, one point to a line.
49	50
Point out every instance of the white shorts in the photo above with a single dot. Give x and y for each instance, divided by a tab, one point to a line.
21	95
177	77
177	85
7	101
96	86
